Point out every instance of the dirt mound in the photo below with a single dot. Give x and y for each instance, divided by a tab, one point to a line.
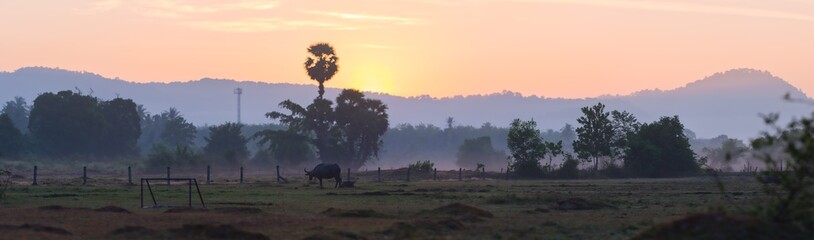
186	210
238	210
59	208
715	226
204	231
459	210
422	228
339	235
376	193
35	228
135	232
358	213
579	204
245	203
112	209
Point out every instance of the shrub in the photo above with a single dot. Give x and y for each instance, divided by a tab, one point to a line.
425	166
569	168
162	156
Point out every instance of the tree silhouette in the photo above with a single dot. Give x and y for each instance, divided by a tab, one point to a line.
595	134
18	111
321	64
177	131
226	142
12	141
660	149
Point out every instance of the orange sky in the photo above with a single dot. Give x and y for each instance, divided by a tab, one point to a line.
552	48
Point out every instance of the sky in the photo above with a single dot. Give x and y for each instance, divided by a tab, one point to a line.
550	48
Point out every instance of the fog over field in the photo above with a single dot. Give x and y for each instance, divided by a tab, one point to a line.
728	103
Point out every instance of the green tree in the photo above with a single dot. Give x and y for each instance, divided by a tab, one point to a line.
788	177
18	111
595	135
479	150
177	131
526	148
226	142
624	124
123	127
660	149
349	134
12	142
289	148
321	64
67	123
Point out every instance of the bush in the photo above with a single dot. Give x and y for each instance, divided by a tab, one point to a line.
569	168
425	166
162	157
5	182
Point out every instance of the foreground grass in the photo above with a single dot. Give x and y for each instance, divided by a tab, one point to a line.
617	209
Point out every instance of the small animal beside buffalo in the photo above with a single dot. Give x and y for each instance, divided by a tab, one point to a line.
327	171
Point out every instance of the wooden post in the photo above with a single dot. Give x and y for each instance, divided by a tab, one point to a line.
190	192
208	168
278	173
460	174
35	175
408	173
380	174
84	175
435	174
483	173
348	179
129	176
168	175
241	174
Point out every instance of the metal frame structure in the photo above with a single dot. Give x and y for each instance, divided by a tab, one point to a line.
189	181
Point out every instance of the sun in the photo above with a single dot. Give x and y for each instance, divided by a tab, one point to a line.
373	78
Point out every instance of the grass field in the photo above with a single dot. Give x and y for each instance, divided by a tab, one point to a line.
500	209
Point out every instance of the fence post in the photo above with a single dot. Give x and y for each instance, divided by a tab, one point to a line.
35	175
278	173
379	174
84	175
408	173
483	173
460	174
435	174
348	179
168	175
241	174
129	176
208	168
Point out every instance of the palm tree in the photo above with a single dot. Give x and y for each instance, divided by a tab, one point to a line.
321	64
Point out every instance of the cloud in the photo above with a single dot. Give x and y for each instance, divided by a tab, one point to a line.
98	7
363	17
687	7
264	25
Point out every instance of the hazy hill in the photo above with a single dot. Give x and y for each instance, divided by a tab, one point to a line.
724	103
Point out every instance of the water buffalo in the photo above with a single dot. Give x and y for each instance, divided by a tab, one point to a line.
325	170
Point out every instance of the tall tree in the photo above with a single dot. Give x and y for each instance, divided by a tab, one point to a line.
349	134
660	149
289	148
67	123
479	150
527	148
18	111
12	142
123	127
624	124
177	131
321	64
595	134
226	142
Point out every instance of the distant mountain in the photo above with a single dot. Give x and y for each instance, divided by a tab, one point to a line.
724	103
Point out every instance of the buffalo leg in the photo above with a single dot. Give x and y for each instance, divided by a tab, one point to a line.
320	182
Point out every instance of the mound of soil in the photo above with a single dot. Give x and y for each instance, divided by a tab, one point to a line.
422	228
204	231
579	204
459	209
136	232
112	209
238	210
715	226
245	203
358	213
186	210
59	208
376	193
339	235
35	228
